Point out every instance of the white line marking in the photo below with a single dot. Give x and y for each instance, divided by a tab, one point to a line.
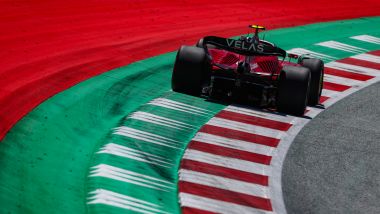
261	114
170	104
101	196
367	38
353	68
147	137
302	51
230	124
122	151
227	162
342	46
212	205
152	118
223	183
341	80
329	93
367	57
233	144
107	171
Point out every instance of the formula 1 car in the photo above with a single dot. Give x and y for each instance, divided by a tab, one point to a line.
251	70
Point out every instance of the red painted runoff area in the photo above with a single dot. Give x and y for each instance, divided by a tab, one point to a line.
49	46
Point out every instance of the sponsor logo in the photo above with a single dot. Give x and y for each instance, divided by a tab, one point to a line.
243	45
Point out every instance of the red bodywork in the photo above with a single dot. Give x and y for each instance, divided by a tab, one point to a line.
266	66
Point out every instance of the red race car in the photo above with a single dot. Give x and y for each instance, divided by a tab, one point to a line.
248	69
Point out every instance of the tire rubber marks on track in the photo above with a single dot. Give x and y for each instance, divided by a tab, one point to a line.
125	152
115	173
145	135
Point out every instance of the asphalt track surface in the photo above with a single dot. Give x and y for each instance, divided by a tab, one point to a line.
51	66
333	165
49	46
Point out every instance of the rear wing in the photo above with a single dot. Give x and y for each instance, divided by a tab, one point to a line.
244	47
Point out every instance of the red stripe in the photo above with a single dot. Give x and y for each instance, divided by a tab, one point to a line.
376	53
335	87
323	99
239	135
228	152
224	172
360	62
225	195
189	210
258	121
349	75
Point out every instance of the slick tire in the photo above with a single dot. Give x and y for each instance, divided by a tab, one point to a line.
190	69
293	89
200	43
316	68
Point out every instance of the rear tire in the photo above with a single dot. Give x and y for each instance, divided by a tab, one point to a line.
293	88
200	43
316	67
190	69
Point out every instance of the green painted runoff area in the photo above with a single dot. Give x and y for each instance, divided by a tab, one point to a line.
160	158
47	157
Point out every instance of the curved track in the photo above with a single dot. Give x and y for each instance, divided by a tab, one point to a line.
69	139
47	47
333	164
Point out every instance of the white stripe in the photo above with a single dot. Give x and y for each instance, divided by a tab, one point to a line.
329	93
227	162
107	171
163	102
223	183
106	197
259	113
367	57
341	80
212	205
146	136
122	151
233	144
230	124
353	68
302	51
151	118
342	46
367	38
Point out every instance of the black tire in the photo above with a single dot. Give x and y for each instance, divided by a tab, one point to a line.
190	69
200	43
293	88
316	67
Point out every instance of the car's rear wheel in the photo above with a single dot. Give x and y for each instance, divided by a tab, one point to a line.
316	67
190	70
293	88
200	43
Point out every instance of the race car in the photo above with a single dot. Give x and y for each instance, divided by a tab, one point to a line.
249	70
